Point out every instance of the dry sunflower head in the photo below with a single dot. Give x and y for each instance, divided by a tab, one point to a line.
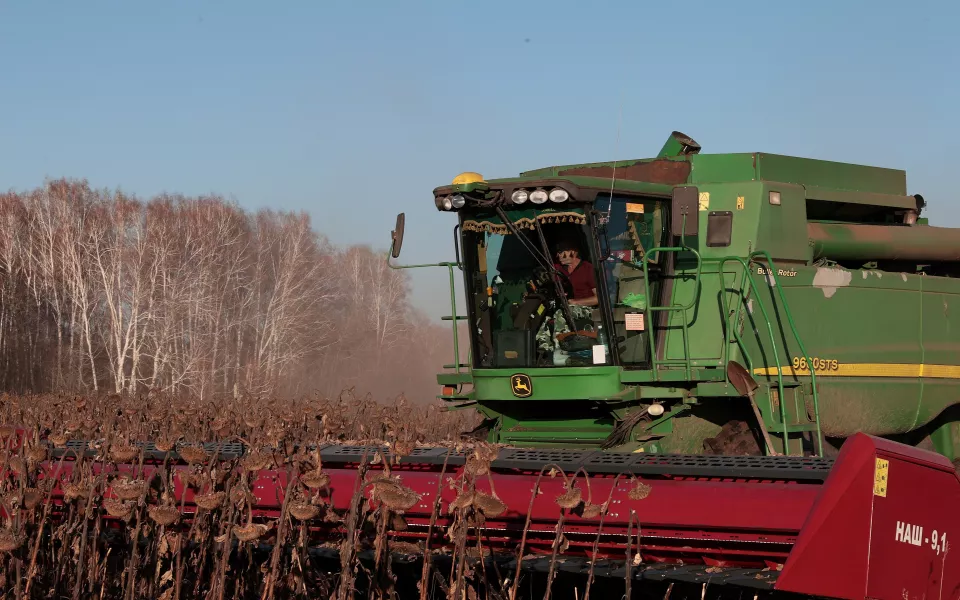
315	480
402	547
394	495
123	453
570	498
462	501
9	541
127	489
303	511
403	447
36	454
209	501
256	461
166	442
32	498
592	511
72	491
164	515
193	454
640	490
239	494
7	431
250	532
476	465
490	505
17	465
59	440
118	508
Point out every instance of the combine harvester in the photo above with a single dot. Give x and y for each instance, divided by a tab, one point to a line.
748	385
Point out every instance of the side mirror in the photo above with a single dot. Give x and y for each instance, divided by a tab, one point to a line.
397	236
686	203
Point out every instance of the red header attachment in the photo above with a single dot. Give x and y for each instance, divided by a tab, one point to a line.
886	525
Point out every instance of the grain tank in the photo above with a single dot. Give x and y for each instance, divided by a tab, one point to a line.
744	303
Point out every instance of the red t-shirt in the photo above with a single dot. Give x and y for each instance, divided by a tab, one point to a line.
582	279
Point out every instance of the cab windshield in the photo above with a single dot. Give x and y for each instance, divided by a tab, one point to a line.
535	286
532	288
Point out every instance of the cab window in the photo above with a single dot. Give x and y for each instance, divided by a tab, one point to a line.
635	225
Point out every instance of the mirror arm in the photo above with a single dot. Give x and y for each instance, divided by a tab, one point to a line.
456	245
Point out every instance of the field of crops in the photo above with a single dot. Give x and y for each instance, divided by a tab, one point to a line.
120	530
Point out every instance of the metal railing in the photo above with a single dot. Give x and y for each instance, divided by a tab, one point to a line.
453	305
730	322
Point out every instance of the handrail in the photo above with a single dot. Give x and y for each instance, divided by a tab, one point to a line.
453	302
772	272
747	281
766	319
688	369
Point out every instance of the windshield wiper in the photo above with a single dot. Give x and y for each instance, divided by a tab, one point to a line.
543	259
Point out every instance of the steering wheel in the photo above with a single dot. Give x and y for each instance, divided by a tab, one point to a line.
542	280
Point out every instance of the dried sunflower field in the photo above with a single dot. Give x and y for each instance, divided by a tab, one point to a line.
118	528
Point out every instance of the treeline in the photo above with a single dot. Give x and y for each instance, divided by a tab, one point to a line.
102	291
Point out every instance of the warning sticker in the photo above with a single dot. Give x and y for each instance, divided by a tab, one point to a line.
880	475
634	321
704	200
634	207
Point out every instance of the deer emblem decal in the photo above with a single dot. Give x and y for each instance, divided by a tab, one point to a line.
521	386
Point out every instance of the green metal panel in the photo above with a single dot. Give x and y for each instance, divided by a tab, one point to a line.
782	230
828	174
722	168
869	323
558	383
941	346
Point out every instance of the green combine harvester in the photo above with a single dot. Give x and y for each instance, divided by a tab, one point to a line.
704	304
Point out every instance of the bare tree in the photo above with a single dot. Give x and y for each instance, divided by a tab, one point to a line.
102	290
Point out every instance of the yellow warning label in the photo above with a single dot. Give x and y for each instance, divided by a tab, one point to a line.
880	475
704	200
633	207
740	202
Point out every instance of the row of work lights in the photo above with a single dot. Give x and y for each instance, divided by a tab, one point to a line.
537	196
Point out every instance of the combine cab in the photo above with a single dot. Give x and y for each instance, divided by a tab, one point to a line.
704	304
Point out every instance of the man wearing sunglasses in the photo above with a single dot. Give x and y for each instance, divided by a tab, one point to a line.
579	272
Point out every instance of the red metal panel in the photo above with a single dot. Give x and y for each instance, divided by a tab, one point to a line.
830	557
868	541
914	526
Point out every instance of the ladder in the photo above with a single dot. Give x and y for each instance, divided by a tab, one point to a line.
730	323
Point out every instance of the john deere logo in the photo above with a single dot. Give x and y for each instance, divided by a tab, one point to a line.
521	386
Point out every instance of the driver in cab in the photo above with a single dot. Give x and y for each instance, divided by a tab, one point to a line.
578	273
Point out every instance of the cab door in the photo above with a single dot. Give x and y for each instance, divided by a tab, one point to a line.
635	225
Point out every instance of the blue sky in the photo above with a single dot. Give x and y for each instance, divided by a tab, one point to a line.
355	111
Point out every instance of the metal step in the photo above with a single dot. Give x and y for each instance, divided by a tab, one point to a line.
793	468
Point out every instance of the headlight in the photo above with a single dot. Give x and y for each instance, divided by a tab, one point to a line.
438	200
538	196
519	196
559	195
447	204
458	201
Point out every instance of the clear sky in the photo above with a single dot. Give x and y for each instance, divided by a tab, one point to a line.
356	110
